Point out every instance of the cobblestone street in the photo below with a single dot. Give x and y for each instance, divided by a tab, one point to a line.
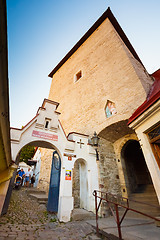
27	219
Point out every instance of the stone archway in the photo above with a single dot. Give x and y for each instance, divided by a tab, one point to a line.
136	171
80	184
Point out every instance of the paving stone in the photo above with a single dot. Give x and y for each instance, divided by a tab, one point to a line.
3	234
13	233
10	238
26	220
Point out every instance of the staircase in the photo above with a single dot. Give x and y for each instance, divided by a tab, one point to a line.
144	194
40	196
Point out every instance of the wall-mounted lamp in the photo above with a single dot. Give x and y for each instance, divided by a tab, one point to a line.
94	142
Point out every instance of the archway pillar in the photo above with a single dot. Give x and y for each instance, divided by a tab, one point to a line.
151	162
65	198
144	123
65	208
118	145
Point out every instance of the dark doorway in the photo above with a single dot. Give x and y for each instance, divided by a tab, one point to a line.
137	174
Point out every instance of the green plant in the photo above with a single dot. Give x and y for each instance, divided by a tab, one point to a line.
45	214
53	220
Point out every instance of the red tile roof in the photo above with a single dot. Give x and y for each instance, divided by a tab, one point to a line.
153	96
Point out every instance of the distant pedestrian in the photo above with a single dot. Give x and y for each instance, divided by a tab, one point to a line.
21	174
27	177
33	180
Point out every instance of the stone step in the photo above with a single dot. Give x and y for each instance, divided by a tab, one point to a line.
143	195
144	209
39	197
149	189
144	188
35	191
79	214
132	228
132	214
94	237
151	211
143	206
42	202
141	201
157	222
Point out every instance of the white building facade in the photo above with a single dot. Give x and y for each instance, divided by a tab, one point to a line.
45	130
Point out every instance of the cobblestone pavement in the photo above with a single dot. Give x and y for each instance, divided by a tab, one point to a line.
27	219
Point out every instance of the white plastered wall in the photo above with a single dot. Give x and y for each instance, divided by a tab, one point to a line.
66	147
86	153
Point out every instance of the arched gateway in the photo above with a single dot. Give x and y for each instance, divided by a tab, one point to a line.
45	130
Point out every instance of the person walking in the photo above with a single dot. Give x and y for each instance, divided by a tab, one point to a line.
33	180
21	173
27	177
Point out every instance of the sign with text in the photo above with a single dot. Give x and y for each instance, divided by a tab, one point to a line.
69	156
44	135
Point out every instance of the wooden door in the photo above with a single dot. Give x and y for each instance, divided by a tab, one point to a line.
53	196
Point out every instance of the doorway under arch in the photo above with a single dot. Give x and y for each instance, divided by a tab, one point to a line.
51	172
80	184
136	171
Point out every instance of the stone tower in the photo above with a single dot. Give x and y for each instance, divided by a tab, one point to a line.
99	84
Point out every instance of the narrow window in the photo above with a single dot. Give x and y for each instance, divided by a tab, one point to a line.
78	76
46	124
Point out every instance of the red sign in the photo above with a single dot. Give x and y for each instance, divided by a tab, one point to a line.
69	158
44	135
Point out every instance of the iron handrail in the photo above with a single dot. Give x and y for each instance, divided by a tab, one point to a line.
116	205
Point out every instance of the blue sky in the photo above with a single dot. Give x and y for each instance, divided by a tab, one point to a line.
41	32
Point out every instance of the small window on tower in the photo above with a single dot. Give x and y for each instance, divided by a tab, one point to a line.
78	76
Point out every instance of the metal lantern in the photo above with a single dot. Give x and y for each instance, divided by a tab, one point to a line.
94	142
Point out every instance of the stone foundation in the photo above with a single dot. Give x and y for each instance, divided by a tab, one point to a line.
108	172
109	177
76	185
